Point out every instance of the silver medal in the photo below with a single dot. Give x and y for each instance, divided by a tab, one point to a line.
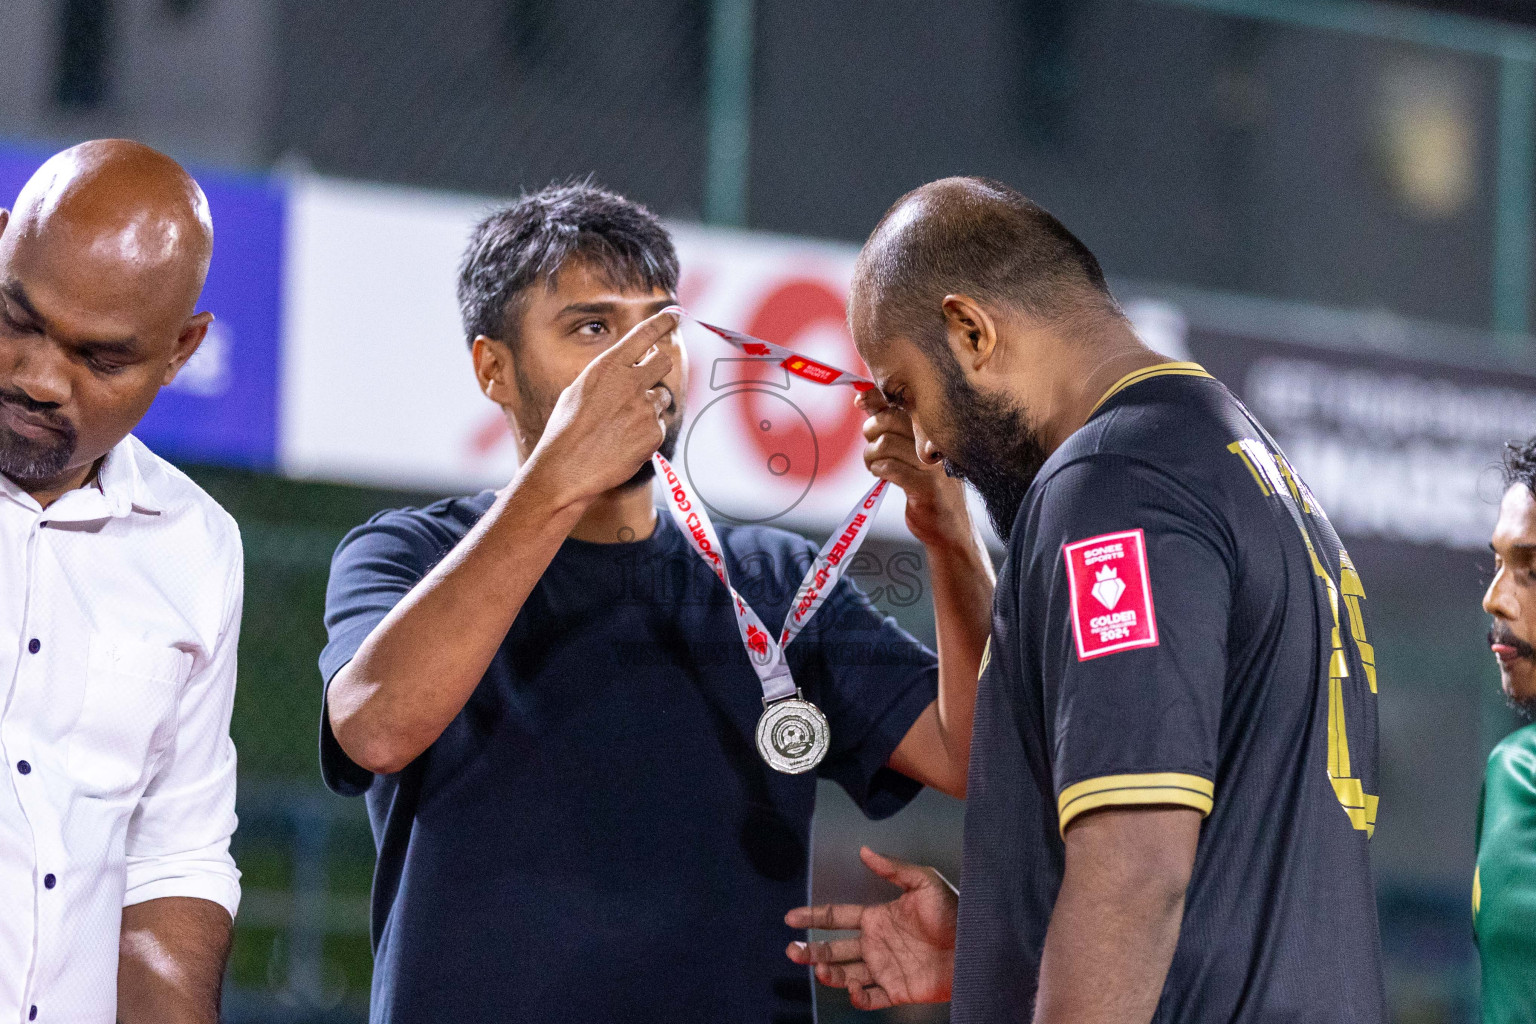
792	735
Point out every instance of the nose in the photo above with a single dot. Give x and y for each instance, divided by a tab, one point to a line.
41	374
925	447
1499	601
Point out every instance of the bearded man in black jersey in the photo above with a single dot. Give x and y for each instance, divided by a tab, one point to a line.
1173	770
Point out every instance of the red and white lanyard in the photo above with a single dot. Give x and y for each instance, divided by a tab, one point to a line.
764	652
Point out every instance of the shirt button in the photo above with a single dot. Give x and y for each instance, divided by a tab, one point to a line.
24	767
35	646
49	881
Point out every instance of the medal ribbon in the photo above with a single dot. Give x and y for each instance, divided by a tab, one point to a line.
790	360
765	653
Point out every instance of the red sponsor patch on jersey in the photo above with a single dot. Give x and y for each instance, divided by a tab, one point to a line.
1111	594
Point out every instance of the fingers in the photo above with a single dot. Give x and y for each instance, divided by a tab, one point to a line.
849	976
898	872
828	916
901	474
653	366
628	349
661	399
897	448
869	997
888	421
853	975
871	401
838	951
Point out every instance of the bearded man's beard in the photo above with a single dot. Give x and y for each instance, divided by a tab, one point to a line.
541	402
27	461
996	448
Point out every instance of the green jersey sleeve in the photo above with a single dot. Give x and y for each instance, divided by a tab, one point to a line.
1504	881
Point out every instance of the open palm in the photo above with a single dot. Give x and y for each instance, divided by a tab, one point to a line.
904	951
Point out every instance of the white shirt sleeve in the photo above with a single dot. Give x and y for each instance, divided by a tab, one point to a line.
178	836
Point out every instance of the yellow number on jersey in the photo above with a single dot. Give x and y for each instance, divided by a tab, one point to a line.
1276	480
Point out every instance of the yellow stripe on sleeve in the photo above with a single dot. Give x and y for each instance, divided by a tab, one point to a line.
1128	790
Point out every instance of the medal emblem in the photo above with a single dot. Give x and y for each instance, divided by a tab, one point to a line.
792	736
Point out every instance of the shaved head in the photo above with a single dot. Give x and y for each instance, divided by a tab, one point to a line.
102	260
988	323
128	211
975	237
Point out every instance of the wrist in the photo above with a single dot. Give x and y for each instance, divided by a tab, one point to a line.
550	488
941	525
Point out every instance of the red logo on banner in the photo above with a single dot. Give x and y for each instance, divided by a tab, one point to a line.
1111	594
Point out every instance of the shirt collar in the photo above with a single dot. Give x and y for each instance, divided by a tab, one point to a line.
1147	373
118	490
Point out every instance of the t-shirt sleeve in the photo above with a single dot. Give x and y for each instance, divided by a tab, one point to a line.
374	567
872	679
1135	573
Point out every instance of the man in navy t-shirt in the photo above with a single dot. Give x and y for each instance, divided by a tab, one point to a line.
543	693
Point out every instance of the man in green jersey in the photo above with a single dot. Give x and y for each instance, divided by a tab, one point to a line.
1504	883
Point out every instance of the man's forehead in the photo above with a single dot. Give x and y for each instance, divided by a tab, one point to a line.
887	356
1517	518
90	269
590	283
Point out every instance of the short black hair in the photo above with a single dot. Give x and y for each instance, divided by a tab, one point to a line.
977	237
536	237
1520	464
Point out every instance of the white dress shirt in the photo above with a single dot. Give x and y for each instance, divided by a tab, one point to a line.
119	617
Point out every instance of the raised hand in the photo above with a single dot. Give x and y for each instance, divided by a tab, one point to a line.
904	951
612	417
936	510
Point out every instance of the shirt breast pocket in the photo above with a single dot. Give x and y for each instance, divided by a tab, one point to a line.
128	716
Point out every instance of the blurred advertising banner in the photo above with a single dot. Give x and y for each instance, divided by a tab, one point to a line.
377	382
1392	449
378	386
338	355
1396	447
223	406
1398	444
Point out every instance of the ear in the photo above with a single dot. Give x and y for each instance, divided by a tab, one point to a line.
5	218
192	334
972	331
494	369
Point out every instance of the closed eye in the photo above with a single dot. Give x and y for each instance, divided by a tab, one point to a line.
11	325
105	367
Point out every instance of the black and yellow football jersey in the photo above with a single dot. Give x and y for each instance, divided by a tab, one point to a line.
1178	623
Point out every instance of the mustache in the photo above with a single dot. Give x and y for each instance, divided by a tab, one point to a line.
43	410
1502	634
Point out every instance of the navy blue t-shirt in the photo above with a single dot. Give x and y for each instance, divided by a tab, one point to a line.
594	837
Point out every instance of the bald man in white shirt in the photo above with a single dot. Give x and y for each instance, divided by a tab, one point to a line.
120	598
